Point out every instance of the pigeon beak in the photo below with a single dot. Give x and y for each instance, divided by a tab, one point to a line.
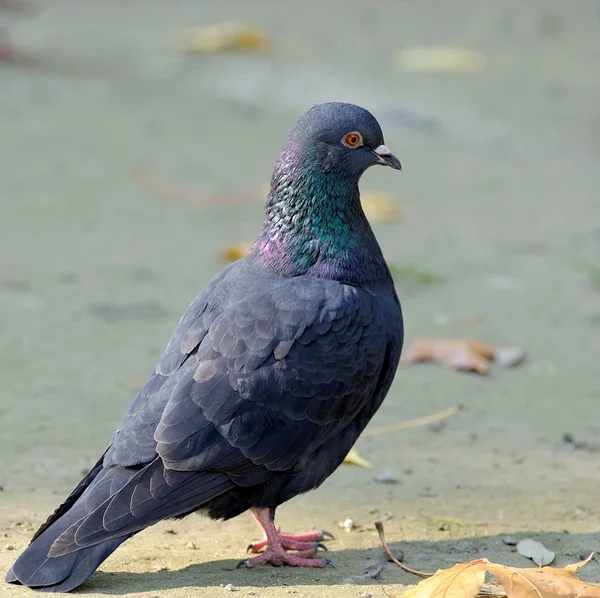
385	157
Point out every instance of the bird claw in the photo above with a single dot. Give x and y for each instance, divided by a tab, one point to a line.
279	558
301	541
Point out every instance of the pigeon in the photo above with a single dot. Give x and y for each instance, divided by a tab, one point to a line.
268	380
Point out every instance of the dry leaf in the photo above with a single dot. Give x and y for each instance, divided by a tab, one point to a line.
235	252
380	207
222	37
461	581
547	582
465	580
353	458
536	551
459	354
459	61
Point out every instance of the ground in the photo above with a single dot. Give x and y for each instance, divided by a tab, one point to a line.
500	232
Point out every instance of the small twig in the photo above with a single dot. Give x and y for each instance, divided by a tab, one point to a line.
414	423
165	191
379	527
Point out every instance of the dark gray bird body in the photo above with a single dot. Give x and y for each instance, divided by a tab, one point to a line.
265	385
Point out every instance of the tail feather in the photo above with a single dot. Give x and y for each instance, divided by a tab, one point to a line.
61	574
34	568
114	506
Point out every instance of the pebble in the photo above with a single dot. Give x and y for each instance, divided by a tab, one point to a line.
347	524
584	555
509	357
386	478
510	540
230	587
190	545
9	547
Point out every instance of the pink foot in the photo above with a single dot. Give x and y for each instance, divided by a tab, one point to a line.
305	541
276	544
278	557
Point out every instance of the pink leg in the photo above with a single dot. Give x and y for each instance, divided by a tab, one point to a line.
306	541
277	543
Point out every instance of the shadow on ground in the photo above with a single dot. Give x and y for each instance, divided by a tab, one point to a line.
351	566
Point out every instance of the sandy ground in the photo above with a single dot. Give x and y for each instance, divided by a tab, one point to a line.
499	192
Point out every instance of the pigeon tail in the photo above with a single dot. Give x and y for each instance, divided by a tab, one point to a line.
34	568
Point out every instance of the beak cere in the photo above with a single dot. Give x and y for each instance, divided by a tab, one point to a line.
385	157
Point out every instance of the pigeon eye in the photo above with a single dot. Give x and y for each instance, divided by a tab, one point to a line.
352	140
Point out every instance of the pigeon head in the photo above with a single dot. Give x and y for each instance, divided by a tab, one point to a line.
314	221
343	139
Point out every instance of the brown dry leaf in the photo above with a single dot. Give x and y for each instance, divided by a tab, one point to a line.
235	252
441	60
380	207
546	582
353	458
465	580
223	37
456	353
461	581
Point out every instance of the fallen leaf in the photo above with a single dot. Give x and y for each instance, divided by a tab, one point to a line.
380	207
536	551
545	582
235	252
465	580
223	37
353	458
461	581
458	354
444	60
443	523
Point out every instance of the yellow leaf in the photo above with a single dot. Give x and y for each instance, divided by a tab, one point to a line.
235	252
223	37
466	579
380	207
546	582
353	458
461	61
461	581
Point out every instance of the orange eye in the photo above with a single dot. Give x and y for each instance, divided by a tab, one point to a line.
353	139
